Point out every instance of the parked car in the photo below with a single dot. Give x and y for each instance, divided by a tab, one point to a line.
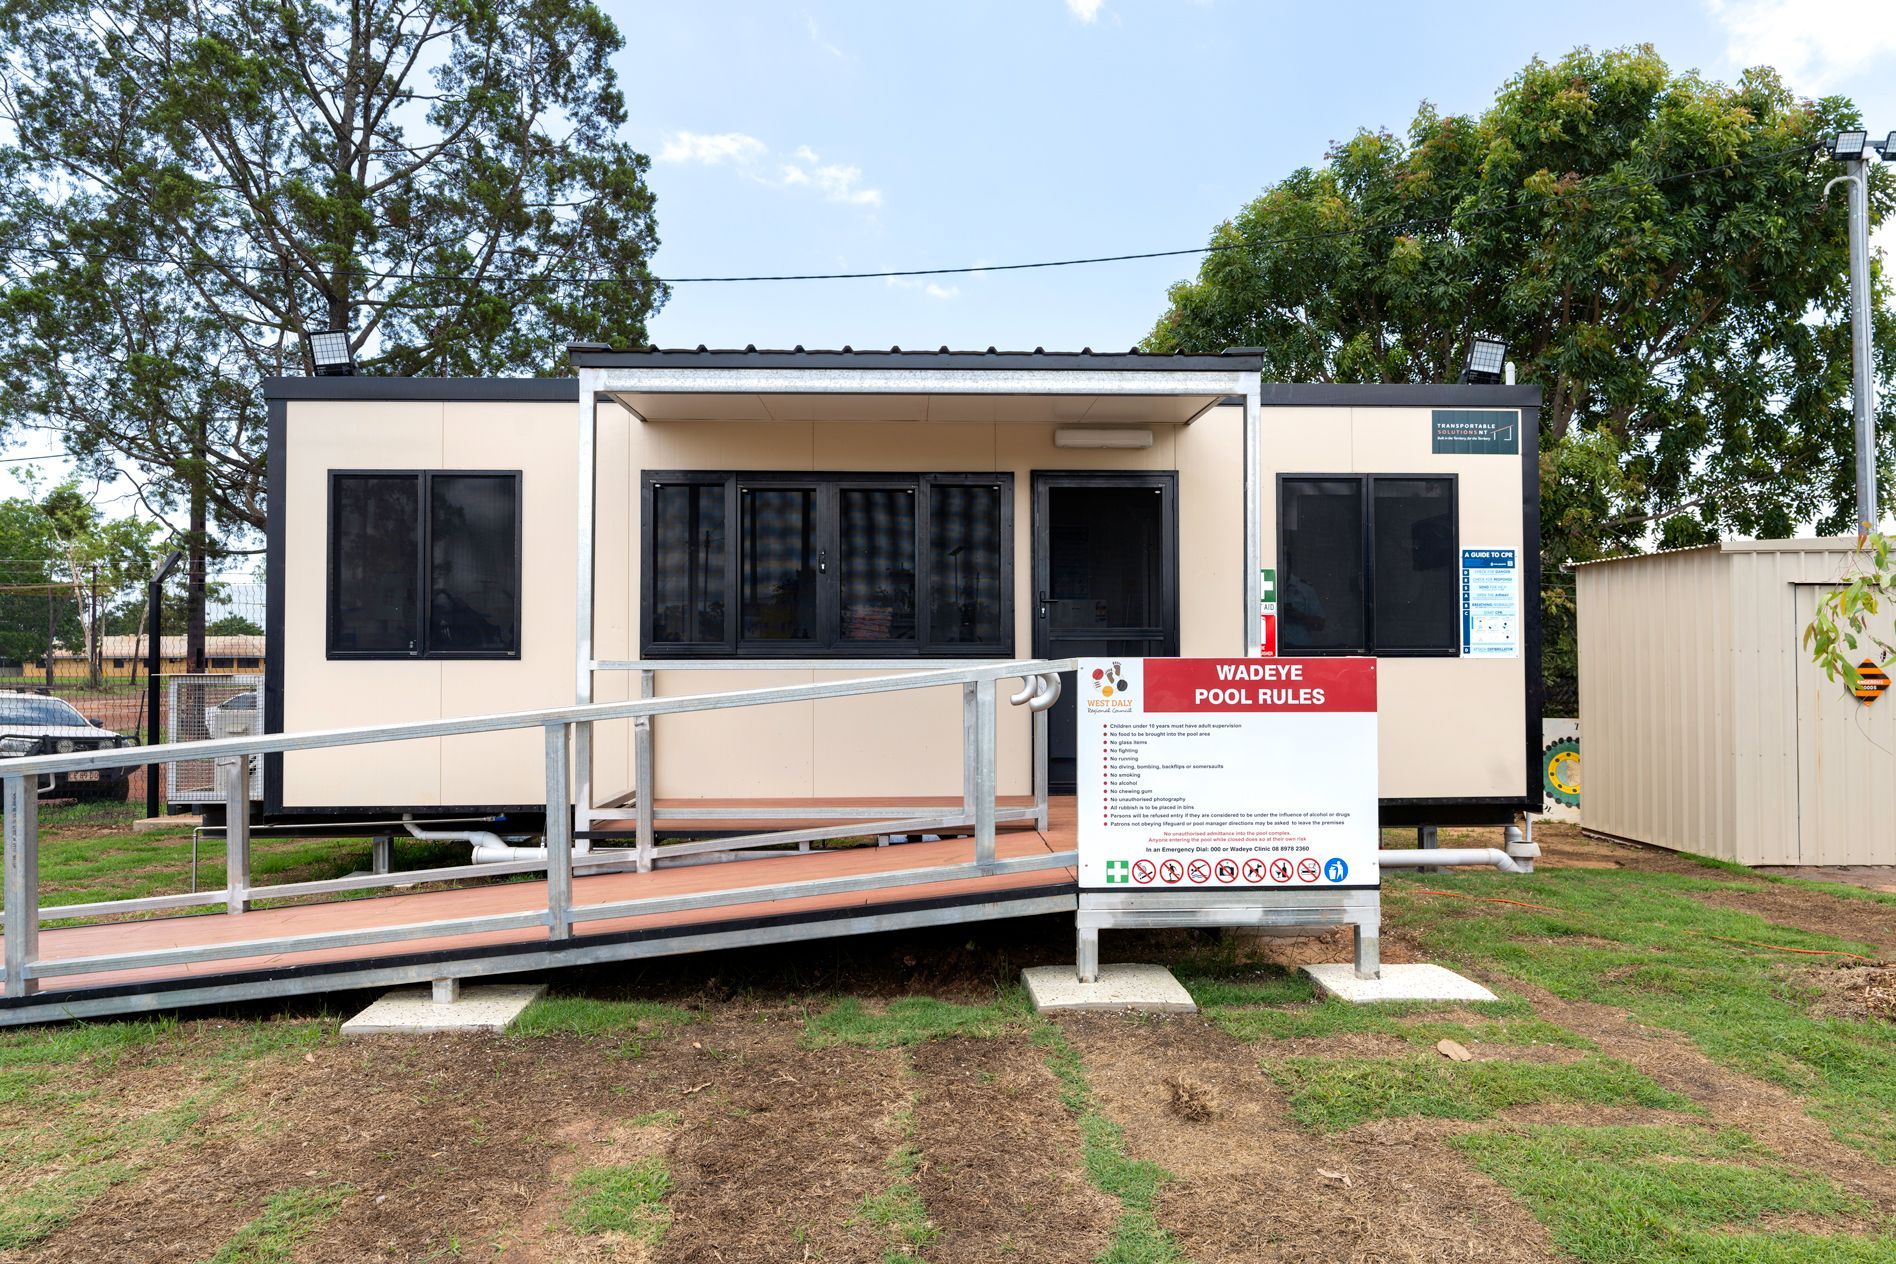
35	724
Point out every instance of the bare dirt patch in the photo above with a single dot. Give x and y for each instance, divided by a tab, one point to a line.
1251	1185
1857	990
780	1147
1001	1171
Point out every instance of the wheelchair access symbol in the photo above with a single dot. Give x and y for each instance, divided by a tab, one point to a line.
1335	869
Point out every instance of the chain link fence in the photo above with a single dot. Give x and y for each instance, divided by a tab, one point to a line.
69	634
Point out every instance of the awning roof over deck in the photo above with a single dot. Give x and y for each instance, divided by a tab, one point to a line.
898	385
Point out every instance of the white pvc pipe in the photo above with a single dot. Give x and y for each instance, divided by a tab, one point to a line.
488	848
1431	857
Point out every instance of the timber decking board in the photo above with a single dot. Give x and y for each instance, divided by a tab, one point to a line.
329	916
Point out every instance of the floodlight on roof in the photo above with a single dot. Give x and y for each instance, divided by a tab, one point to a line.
1849	145
330	353
1487	360
1889	147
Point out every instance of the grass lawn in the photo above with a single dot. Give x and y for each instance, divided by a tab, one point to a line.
1680	1068
89	852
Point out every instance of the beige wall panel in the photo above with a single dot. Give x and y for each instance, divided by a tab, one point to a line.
888	448
909	743
749	752
615	600
722	445
1211	614
1449	727
321	436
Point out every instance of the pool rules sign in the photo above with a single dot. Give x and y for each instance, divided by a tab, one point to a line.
1200	774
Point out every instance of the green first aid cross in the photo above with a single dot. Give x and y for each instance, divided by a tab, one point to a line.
1267	585
1119	871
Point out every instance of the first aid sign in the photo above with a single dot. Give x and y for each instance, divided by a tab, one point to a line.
1208	773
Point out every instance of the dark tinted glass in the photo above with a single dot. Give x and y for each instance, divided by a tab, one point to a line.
1320	589
1105	558
778	564
876	563
688	579
966	572
375	547
1415	564
473	574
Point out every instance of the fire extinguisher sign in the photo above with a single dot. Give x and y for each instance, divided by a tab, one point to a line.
1227	773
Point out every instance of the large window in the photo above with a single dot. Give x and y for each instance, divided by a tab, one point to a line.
1367	565
797	565
424	564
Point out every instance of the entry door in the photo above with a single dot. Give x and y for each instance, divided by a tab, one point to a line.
1105	582
1846	759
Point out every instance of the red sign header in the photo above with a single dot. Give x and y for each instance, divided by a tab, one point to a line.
1260	684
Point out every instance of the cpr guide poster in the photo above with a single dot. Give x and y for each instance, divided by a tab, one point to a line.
1202	773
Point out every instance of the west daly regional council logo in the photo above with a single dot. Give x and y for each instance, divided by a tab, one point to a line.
1110	682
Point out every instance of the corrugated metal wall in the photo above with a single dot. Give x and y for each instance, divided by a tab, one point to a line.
1706	726
1655	719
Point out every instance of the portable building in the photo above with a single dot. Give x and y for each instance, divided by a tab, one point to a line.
693	521
1710	729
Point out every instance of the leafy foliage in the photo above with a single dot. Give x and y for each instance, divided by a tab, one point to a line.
1847	623
1656	251
186	190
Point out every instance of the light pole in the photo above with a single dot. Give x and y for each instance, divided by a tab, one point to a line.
1857	151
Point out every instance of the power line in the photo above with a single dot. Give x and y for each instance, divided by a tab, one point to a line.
1538	201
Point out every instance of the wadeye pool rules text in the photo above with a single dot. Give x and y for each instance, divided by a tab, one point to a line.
1202	773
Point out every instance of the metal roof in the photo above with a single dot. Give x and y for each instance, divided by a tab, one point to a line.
1813	544
592	355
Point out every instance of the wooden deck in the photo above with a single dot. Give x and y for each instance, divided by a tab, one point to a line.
765	919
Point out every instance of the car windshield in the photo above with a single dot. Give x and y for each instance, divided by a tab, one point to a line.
38	711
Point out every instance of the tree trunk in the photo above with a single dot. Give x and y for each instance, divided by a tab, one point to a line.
194	589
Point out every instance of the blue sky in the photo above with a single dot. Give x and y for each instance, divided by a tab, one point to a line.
856	137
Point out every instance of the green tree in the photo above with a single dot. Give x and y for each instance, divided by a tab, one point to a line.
186	190
235	625
1657	253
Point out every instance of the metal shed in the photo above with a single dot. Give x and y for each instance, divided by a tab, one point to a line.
1709	729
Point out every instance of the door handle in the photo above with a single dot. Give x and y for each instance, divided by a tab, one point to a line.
1043	605
822	561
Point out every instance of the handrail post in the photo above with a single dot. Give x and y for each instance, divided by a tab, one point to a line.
559	835
984	783
969	705
233	779
643	777
1040	770
22	883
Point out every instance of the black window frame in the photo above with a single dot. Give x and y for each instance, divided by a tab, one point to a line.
1367	495
424	500
828	643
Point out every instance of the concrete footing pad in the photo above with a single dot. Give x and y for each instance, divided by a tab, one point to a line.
1398	983
1120	987
414	1011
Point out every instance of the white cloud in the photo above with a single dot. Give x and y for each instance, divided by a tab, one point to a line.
1813	43
816	38
932	289
734	147
837	182
1085	10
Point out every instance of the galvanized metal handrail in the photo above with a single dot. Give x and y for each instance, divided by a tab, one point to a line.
563	727
637	708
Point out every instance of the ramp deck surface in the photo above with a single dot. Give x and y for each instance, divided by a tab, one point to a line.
766	919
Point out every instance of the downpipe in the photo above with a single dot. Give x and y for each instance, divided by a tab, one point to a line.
488	848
